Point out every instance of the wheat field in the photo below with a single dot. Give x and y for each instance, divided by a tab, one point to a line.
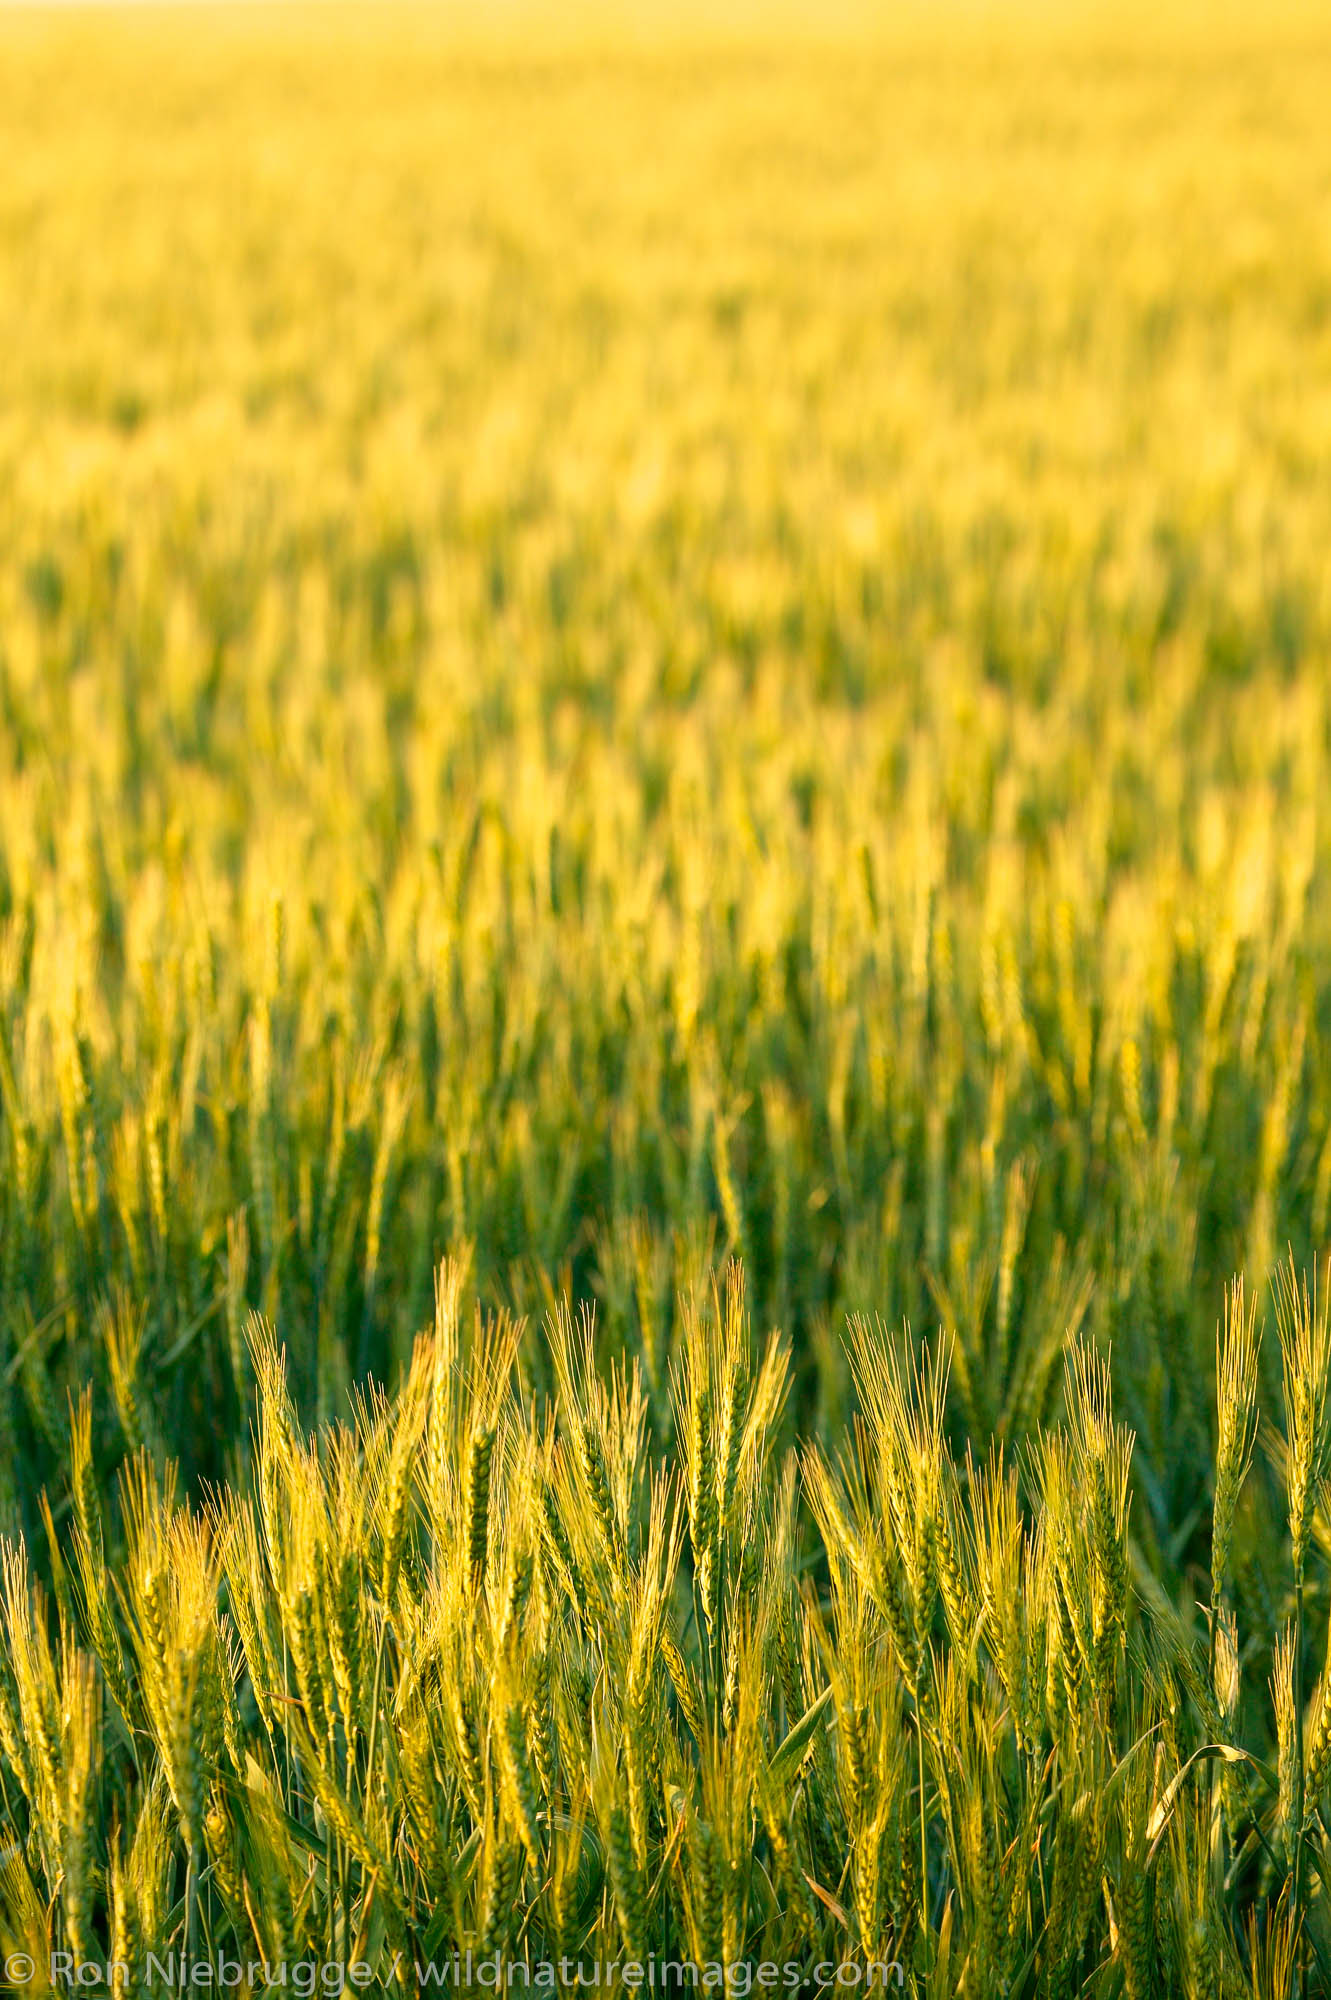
665	1000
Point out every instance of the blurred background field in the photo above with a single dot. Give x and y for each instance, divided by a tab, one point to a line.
617	637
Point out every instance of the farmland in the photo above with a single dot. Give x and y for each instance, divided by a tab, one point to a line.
665	994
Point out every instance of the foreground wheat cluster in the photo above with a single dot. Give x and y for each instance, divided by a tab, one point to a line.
613	1680
665	998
